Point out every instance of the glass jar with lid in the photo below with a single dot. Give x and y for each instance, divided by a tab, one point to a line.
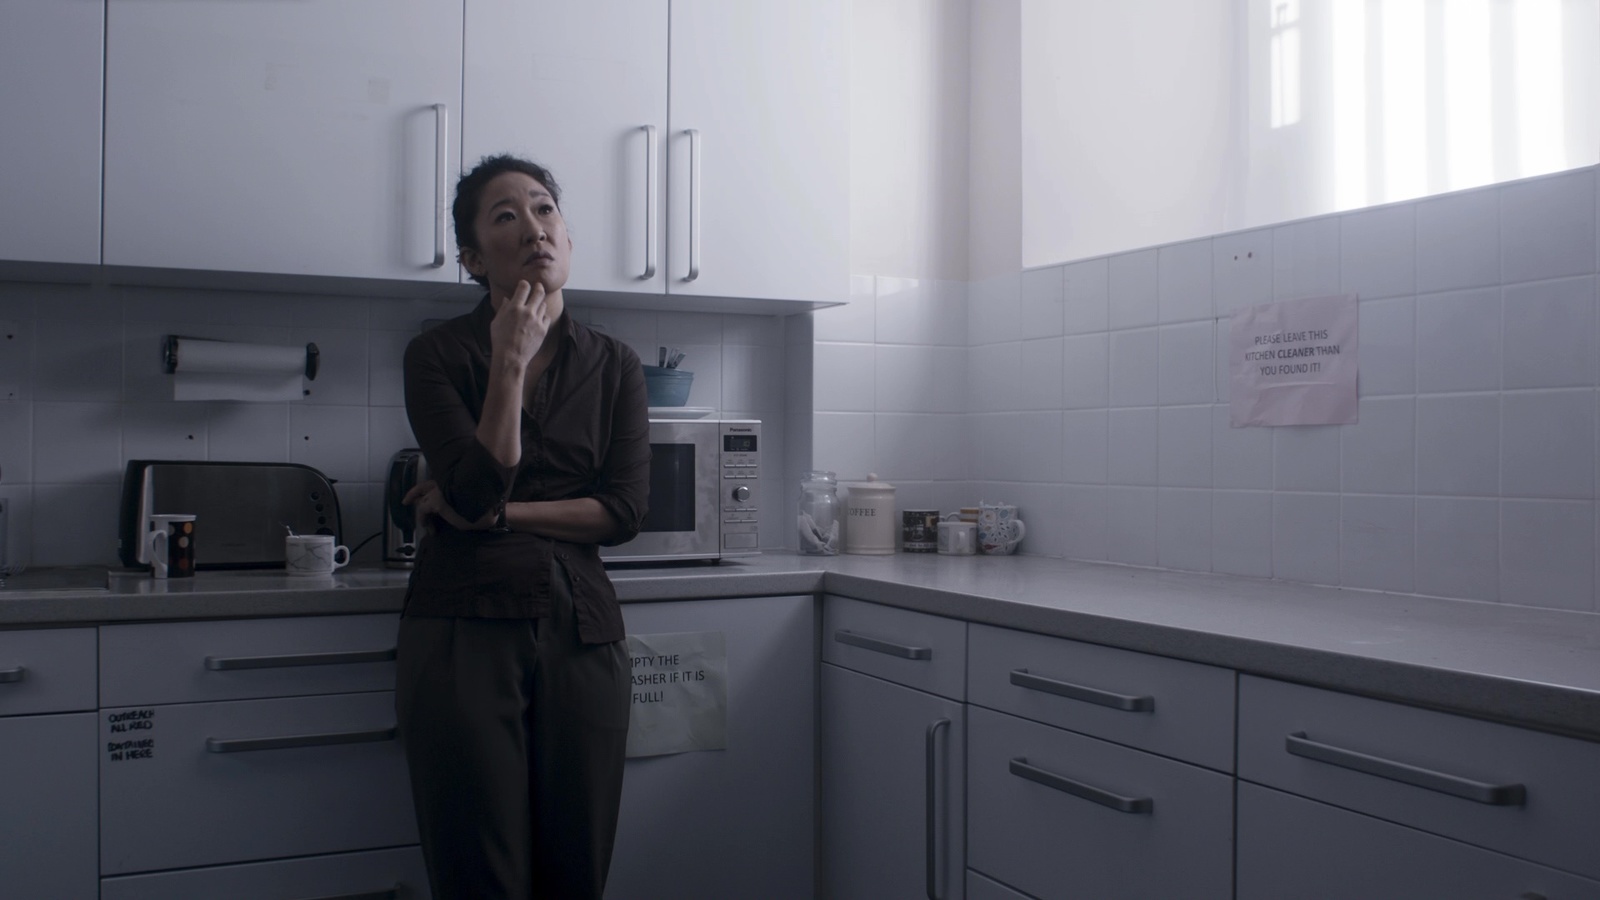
819	514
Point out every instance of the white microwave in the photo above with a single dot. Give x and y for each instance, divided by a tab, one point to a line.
705	492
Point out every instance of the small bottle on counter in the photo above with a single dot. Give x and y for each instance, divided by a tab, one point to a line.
819	514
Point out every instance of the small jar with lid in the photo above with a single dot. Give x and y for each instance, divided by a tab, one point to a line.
819	518
869	517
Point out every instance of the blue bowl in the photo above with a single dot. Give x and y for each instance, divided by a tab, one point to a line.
667	387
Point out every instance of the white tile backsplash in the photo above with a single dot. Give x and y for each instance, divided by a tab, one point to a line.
1388	341
77	443
1185	282
1135	289
1547	554
1241	269
1085	439
1135	380
911	311
1305	258
1458	445
1087	287
1378	453
1131	522
1134	454
1042	303
1240	457
165	431
1185	368
1377	542
1550	334
1185	446
1183	529
1547	444
1305	537
1085	523
1306	458
1241	533
1377	253
923	379
1458	241
1458	341
1086	371
844	377
1458	547
1547	227
1042	377
994	309
1040	438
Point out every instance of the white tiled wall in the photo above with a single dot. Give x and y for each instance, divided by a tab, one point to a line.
1471	474
82	392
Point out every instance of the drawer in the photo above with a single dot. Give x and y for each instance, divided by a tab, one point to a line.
188	662
1525	793
1167	706
397	874
1107	821
46	671
920	651
1293	847
179	789
981	888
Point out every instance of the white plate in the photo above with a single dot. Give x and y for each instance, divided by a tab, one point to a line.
680	412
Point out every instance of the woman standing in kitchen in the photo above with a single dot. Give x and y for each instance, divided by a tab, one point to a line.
512	686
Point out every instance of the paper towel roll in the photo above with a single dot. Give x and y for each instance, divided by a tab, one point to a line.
227	370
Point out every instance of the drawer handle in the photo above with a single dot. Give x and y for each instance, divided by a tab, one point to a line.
1139	805
936	779
1023	678
9	676
390	894
232	663
242	745
1493	794
880	646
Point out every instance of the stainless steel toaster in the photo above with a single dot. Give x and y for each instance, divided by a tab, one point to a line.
241	509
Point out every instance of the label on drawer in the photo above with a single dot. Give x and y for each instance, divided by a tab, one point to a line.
130	735
679	692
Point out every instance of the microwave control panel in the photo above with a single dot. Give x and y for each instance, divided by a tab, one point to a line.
741	485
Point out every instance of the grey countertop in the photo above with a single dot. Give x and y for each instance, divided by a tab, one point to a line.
1534	667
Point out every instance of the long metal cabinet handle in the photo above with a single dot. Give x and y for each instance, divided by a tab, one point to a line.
1025	679
881	646
1140	805
441	158
1456	786
336	658
649	203
290	742
937	776
390	894
694	204
9	676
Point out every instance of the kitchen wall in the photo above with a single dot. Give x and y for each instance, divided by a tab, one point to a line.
1097	401
81	366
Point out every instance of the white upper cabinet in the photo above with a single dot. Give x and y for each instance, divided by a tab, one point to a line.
50	64
308	138
758	199
580	88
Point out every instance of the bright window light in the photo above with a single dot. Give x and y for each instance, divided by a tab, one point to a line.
1540	129
1285	62
1404	98
1468	98
1350	104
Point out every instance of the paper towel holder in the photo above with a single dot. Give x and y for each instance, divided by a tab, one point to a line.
169	355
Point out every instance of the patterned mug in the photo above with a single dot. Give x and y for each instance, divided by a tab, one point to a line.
999	529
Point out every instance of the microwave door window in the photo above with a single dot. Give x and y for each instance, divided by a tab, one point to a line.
672	489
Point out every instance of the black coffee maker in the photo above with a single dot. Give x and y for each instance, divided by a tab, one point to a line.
402	528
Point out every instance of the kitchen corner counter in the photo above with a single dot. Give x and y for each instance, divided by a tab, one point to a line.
1533	667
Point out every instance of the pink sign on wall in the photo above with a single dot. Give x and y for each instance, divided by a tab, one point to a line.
1294	363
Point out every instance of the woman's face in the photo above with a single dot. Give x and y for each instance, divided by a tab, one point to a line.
521	236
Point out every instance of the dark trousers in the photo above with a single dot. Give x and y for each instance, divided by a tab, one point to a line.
515	734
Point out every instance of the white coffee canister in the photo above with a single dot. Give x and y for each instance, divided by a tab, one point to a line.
869	517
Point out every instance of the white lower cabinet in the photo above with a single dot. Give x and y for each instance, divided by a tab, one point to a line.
48	800
210	783
738	822
892	790
1060	815
1293	847
397	874
47	806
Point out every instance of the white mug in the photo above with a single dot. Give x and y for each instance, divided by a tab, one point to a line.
957	538
313	554
169	543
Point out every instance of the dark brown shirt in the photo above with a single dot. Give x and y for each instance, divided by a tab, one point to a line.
585	433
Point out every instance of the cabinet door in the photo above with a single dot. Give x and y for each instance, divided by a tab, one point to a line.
396	874
893	796
50	61
295	138
47	792
737	822
579	88
1293	847
758	201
